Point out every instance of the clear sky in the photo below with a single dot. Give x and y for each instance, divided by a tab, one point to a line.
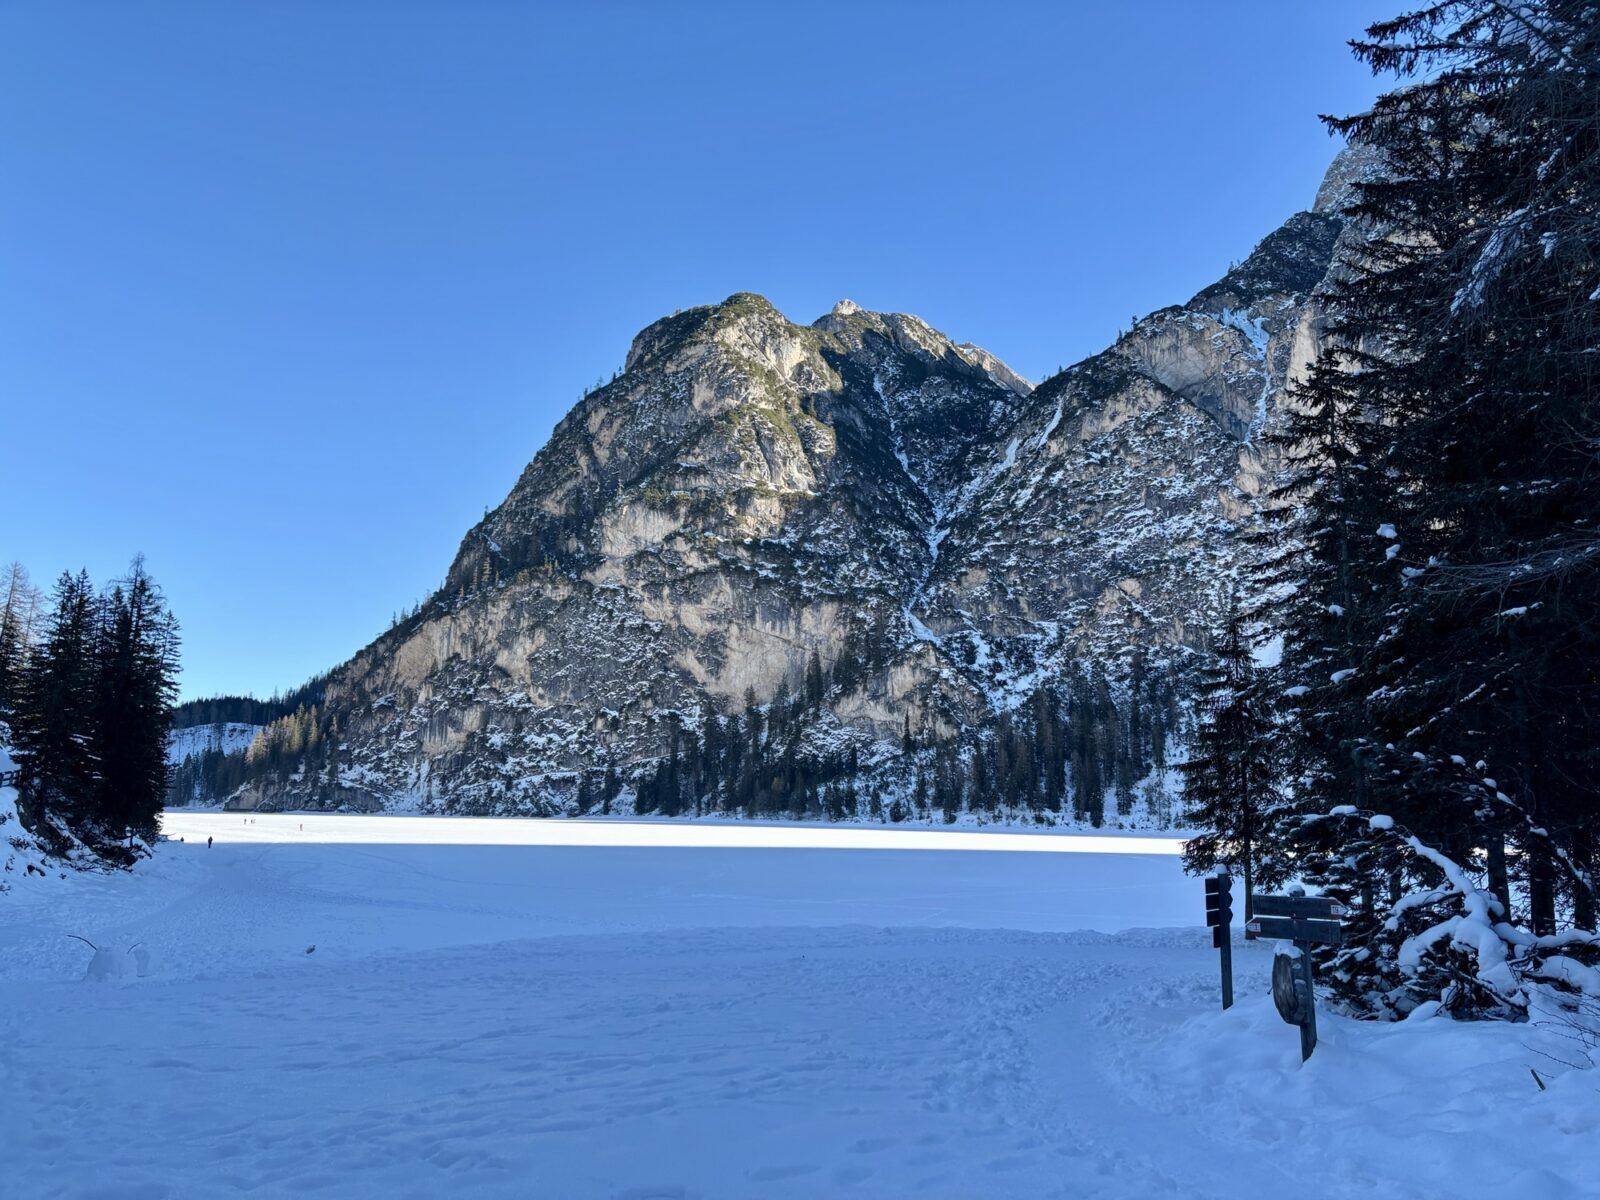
290	292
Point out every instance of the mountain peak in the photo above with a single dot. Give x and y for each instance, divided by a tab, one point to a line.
662	336
1354	164
747	302
753	499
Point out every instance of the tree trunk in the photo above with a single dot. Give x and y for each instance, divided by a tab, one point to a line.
1583	897
1541	893
1499	881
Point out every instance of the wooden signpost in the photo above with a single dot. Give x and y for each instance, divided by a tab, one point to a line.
1306	921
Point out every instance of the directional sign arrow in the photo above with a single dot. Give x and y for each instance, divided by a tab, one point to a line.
1270	927
1298	906
1292	929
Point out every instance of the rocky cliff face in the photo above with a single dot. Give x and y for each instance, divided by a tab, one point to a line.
750	494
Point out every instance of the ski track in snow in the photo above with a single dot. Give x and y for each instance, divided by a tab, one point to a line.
646	1022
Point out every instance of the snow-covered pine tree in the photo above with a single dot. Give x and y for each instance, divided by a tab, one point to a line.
1232	779
1446	643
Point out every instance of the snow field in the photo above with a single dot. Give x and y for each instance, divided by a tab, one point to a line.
677	1021
733	833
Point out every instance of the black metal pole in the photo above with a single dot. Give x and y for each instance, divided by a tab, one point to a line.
1226	933
1308	1026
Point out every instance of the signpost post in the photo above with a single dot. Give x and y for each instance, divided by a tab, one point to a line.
1219	915
1306	921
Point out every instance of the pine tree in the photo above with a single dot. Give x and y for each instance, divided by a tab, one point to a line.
135	687
91	709
814	681
1444	647
18	599
712	738
1047	737
947	781
54	723
1232	781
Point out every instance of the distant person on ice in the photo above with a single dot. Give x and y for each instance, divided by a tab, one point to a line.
208	843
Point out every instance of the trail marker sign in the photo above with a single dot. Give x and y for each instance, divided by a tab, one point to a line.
1219	915
1295	905
1296	929
1306	921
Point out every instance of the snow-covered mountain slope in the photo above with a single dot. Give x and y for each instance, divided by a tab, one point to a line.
505	1021
1109	513
750	494
228	737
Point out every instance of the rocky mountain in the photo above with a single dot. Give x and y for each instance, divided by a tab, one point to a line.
860	510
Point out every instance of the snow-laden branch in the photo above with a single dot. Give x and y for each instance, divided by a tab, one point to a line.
1504	240
1450	941
1475	930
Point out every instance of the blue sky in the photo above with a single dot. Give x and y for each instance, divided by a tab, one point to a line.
290	292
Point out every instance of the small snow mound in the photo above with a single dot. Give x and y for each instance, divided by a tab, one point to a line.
106	964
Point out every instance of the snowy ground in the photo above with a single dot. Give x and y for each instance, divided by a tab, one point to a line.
652	1020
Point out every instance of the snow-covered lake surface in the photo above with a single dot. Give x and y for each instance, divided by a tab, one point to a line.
715	832
487	1012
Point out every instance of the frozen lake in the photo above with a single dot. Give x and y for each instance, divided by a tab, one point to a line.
420	1007
730	834
525	878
